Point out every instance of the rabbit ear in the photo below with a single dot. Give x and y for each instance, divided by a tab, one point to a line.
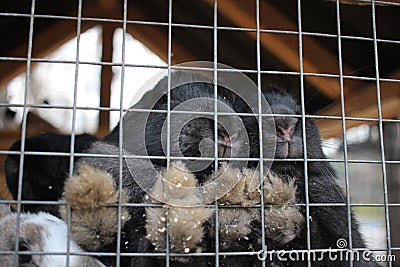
4	210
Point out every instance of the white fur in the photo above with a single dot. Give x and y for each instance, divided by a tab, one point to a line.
45	233
55	240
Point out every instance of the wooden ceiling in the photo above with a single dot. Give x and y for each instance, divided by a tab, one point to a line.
237	45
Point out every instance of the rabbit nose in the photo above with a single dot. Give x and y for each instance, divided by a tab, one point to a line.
285	133
226	140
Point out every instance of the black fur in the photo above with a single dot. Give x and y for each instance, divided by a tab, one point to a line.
327	223
191	134
43	176
134	233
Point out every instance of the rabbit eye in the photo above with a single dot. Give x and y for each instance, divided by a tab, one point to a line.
24	258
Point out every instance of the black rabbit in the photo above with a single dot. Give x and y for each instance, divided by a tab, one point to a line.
328	223
188	133
282	134
43	176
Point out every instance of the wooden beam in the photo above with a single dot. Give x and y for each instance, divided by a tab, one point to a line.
365	3
61	31
156	39
50	39
44	43
286	49
35	125
4	193
106	76
362	103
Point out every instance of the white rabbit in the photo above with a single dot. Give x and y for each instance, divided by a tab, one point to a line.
39	233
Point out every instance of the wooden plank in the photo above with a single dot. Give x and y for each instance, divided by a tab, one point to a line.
390	103
106	76
34	126
365	3
286	49
156	39
4	193
45	43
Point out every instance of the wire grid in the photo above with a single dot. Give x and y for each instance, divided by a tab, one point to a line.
215	28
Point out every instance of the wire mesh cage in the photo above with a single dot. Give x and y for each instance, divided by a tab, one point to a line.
119	185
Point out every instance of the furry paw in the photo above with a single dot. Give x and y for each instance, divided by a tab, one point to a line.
283	220
283	224
235	223
183	219
177	186
90	188
277	191
246	191
93	223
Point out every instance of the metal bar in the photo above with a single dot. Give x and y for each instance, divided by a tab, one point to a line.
73	126
199	112
203	254
303	121
64	154
197	26
345	155
215	75
260	128
58	203
249	71
120	135
168	156
42	106
23	132
381	144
